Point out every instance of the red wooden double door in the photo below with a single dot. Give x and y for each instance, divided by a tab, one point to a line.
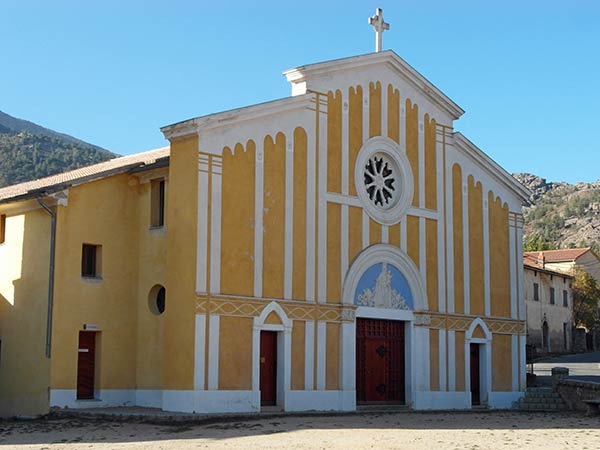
380	361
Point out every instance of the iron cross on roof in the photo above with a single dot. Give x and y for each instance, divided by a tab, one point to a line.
379	26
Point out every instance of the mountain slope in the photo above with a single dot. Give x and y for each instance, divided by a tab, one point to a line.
29	151
18	125
562	215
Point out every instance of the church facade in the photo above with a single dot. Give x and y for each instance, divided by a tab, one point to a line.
340	247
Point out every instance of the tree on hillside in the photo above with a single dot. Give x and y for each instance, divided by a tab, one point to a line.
537	243
586	294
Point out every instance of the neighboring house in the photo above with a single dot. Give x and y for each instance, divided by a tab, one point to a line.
566	259
338	247
548	304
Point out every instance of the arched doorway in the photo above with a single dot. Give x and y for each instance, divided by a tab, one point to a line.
545	340
385	286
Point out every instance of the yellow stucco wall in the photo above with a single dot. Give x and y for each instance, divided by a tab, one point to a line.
299	214
499	257
332	361
24	368
100	213
501	362
334	141
298	354
235	355
179	316
434	360
237	220
274	216
476	247
151	271
457	229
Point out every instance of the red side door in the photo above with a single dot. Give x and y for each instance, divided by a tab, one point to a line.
268	367
475	388
86	358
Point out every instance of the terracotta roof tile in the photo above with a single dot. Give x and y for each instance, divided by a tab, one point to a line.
83	174
567	254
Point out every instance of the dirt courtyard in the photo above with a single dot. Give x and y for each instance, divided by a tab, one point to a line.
406	430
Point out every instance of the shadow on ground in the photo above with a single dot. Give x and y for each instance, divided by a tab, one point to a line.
102	431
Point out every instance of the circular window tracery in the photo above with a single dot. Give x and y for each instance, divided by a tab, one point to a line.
380	180
383	180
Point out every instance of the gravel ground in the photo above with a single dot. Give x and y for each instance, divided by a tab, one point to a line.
407	430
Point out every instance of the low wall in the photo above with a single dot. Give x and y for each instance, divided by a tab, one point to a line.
573	392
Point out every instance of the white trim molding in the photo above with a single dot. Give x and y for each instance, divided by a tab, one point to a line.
390	254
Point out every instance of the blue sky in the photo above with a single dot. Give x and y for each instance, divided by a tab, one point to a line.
112	73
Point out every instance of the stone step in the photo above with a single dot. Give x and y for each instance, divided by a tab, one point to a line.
540	399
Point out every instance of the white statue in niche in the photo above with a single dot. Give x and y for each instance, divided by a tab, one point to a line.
383	296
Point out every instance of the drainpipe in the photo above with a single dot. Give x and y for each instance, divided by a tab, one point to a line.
50	276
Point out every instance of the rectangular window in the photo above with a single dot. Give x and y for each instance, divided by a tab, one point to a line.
2	228
552	296
91	258
565	299
157	203
536	292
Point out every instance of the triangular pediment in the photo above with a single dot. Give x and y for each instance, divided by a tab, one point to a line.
381	66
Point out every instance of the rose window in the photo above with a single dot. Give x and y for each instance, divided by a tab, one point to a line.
380	181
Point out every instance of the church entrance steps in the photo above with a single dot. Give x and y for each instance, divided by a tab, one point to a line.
541	399
382	408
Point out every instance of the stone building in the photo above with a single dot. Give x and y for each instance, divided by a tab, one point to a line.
548	305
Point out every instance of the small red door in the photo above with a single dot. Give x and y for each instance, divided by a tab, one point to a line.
86	358
475	388
268	367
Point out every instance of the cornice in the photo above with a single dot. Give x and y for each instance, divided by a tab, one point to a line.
388	57
236	116
491	166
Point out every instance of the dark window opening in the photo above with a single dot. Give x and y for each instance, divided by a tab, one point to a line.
552	296
90	261
157	207
536	292
160	300
565	298
157	299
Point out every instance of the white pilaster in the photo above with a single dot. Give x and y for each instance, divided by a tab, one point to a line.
451	360
421	165
449	237
344	242
521	294
309	355
199	351
258	219
321	354
422	358
512	233
486	257
442	359
322	217
213	352
365	230
348	355
202	232
311	181
403	234
289	216
466	265
215	225
514	352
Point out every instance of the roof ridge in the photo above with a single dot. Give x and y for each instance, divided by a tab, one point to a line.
18	190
